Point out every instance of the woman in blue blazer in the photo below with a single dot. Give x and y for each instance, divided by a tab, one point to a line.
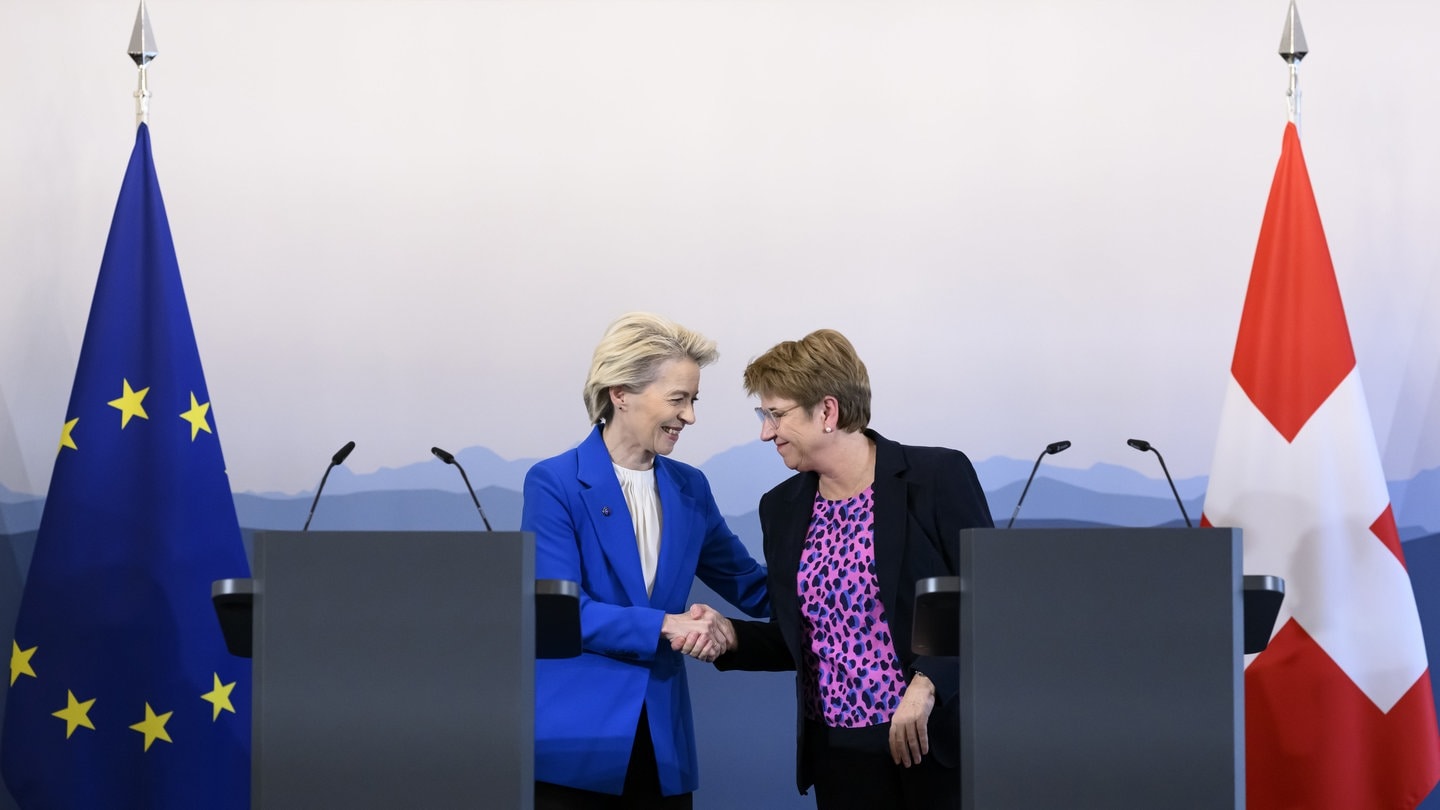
634	528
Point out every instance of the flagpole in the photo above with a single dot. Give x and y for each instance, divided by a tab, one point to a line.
1292	50
142	50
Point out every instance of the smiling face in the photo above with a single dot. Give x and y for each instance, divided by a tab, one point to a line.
648	422
793	428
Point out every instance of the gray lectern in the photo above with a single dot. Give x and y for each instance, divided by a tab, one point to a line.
393	669
1101	668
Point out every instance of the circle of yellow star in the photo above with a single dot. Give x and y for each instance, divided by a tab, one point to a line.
220	697
153	726
67	440
20	662
196	417
75	714
129	404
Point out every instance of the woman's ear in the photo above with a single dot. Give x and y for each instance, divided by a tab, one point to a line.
617	397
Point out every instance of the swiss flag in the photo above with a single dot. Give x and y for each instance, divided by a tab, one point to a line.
1338	710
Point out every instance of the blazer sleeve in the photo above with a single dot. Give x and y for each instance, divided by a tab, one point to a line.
759	647
623	631
960	503
726	565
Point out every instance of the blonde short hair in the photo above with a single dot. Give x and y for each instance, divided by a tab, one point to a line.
821	364
630	354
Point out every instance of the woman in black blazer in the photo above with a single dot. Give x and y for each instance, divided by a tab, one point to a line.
846	539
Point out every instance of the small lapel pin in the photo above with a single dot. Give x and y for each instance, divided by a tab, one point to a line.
605	510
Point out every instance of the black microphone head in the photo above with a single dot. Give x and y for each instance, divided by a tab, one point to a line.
1056	447
1139	444
342	453
442	455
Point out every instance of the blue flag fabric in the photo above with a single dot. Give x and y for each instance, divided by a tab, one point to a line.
122	694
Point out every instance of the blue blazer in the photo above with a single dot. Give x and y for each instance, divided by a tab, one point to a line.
587	708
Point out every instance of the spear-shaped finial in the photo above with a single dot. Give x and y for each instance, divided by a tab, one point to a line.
1292	50
1292	40
142	50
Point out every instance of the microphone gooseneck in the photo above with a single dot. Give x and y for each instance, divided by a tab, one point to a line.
1146	447
1050	450
450	459
335	461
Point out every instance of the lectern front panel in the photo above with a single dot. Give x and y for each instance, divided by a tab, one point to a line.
393	669
1101	668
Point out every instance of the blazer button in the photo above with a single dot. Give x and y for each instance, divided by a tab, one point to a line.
605	510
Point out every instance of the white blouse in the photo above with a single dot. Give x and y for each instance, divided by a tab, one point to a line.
644	503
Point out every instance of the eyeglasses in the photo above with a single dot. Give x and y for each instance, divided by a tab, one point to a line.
773	418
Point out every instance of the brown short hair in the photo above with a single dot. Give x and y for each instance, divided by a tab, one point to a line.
630	354
821	364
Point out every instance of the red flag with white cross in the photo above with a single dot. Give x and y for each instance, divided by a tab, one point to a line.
1338	708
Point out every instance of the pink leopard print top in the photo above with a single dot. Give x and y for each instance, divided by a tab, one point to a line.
852	676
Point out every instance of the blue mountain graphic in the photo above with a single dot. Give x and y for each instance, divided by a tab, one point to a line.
429	495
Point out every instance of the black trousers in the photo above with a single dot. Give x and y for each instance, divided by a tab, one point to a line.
642	785
853	770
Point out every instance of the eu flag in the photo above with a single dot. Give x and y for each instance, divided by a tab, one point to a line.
122	694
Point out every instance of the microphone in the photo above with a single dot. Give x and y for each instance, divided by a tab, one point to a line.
1145	447
1050	450
342	454
335	461
449	459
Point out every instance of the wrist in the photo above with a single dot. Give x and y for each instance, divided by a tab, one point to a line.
669	625
921	681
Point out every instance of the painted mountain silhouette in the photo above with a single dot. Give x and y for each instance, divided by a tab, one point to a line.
428	494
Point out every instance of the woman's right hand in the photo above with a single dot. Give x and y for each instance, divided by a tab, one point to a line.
702	632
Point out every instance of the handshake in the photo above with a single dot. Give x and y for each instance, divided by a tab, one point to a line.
701	632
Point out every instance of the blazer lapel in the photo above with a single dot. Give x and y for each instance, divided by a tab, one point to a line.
891	513
790	527
680	536
609	516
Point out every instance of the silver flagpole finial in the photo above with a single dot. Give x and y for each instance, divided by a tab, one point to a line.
1292	40
1292	50
142	50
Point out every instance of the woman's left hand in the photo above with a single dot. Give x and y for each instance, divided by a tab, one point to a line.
909	728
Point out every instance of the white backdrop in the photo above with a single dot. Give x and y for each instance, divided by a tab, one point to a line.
406	223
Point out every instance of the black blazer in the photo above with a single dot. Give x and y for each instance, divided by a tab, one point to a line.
924	496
